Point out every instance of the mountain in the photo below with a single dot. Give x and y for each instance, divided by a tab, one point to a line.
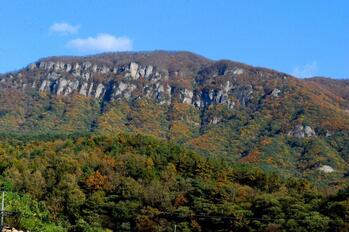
337	87
218	108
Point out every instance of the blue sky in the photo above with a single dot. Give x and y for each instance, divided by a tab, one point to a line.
301	37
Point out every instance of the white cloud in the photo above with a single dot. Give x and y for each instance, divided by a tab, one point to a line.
101	43
64	28
307	70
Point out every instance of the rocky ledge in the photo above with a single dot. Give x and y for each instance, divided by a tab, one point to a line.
107	82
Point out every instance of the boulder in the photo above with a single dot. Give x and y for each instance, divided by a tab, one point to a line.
99	90
326	169
275	92
134	70
299	131
309	132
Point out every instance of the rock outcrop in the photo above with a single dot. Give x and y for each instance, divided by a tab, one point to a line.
326	169
300	131
134	80
276	92
187	94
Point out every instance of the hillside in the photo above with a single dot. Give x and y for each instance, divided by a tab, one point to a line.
218	108
337	87
139	183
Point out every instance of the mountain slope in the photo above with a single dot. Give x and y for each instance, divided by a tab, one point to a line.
139	183
220	108
337	87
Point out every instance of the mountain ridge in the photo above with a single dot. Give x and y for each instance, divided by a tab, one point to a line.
221	108
159	52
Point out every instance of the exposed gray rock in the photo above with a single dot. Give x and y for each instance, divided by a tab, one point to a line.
129	90
227	87
148	71
309	132
197	102
72	85
121	87
53	76
326	169
94	68
238	71
275	92
99	90
230	104
76	67
134	70
160	94
90	90
141	72
86	65
169	96
187	96
243	94
215	120
46	65
58	66
62	84
104	70
86	78
68	67
83	89
43	85
300	132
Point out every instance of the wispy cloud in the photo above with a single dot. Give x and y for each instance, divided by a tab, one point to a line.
101	43
307	70
64	28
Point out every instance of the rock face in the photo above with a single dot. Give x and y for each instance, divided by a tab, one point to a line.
276	92
300	131
164	78
309	132
216	107
134	79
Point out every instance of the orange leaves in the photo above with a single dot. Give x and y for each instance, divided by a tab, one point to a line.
202	142
252	157
266	141
180	200
96	181
180	130
180	111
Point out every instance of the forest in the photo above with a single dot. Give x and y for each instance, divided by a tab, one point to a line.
174	116
132	182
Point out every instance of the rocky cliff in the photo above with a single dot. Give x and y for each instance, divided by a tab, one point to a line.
207	84
221	107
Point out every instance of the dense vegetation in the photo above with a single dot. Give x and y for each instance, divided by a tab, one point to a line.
164	139
254	128
133	182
